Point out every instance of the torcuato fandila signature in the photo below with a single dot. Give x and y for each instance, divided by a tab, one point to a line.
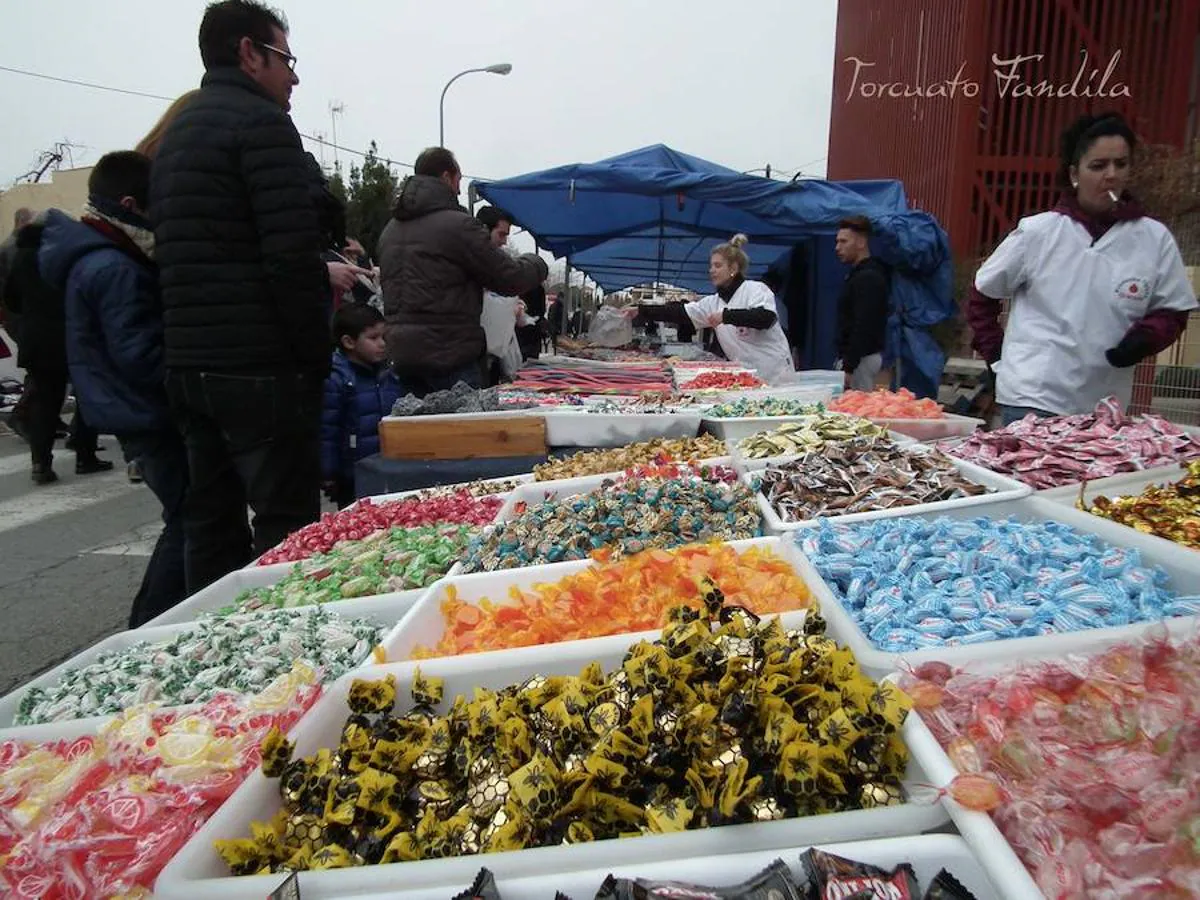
1015	77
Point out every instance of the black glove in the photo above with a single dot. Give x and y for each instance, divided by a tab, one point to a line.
1131	351
989	379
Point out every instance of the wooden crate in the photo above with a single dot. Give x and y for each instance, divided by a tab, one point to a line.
450	437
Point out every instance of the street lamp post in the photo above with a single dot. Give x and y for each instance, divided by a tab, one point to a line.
497	69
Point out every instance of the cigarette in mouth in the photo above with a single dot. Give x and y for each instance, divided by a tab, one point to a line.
1112	195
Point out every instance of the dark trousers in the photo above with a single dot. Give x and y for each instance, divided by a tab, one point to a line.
163	460
421	383
49	392
251	440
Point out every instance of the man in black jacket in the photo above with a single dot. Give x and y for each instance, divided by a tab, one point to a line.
245	294
863	308
436	260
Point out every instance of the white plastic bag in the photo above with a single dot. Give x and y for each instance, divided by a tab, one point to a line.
610	329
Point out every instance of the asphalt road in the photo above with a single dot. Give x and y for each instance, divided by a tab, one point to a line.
72	556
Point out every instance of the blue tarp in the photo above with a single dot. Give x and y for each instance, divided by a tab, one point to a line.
655	214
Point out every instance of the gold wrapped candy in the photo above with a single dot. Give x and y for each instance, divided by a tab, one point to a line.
1170	511
725	719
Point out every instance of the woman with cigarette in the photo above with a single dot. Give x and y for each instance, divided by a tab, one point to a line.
1095	285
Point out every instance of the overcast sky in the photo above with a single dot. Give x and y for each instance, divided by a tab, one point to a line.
739	83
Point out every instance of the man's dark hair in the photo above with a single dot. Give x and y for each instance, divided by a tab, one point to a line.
352	319
436	161
491	216
226	23
857	224
125	173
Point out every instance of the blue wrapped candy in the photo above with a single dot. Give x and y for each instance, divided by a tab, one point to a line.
915	584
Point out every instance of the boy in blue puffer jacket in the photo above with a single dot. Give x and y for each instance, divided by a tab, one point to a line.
361	389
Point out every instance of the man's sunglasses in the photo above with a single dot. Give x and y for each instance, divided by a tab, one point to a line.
288	59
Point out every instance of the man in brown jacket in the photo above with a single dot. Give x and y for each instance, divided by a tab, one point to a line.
436	261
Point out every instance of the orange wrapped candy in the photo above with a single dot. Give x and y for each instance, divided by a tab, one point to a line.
885	404
632	594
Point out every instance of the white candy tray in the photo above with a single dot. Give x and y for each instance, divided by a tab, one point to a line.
927	853
993	851
947	426
425	625
579	428
197	872
536	492
384	610
225	590
1181	565
404	495
1003	488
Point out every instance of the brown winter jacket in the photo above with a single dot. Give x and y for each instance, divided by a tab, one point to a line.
436	261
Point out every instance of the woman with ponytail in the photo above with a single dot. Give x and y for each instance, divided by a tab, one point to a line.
742	312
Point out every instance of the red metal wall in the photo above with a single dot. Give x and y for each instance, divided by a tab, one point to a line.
980	159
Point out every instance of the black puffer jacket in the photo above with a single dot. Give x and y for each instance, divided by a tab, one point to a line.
237	237
436	260
37	305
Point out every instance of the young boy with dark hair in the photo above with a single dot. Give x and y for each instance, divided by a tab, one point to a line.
361	390
104	265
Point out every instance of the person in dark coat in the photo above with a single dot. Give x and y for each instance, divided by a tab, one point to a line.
103	265
42	352
361	389
245	294
437	259
863	308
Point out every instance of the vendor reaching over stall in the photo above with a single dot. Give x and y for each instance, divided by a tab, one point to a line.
742	312
1096	286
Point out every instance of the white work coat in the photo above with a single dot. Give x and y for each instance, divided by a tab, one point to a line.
763	349
1074	298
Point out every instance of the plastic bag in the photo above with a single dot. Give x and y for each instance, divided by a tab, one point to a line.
610	328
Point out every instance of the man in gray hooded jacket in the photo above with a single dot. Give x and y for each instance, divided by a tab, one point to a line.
436	261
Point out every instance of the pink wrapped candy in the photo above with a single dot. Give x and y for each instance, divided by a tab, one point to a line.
1048	453
1095	762
101	816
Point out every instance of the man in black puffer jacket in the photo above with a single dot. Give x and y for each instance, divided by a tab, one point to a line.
245	294
436	260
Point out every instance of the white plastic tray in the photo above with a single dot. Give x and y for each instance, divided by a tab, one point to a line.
1125	484
732	430
579	428
1004	488
1180	564
384	609
746	462
225	590
948	426
197	872
425	626
404	495
992	849
540	491
927	853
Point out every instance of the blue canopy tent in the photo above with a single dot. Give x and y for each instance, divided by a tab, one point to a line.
655	214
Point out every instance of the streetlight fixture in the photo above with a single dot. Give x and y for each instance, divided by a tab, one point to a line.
495	69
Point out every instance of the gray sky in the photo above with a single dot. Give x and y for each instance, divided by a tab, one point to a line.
742	84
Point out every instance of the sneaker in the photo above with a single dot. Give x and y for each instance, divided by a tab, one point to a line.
43	474
92	466
134	471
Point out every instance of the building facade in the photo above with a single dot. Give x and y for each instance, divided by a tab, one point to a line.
65	189
963	100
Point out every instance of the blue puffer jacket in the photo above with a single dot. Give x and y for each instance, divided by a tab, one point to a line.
114	324
356	398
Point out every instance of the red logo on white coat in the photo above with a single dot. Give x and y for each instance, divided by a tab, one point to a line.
1135	290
